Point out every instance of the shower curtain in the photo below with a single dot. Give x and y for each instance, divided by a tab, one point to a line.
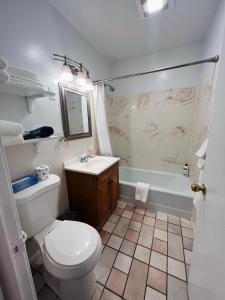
101	121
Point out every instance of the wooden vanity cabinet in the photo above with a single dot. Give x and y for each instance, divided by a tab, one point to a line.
93	196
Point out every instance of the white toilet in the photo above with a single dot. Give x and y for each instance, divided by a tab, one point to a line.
70	249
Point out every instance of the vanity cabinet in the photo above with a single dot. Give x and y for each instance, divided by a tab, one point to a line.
93	196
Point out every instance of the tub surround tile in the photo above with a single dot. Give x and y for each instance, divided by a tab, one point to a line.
152	294
136	226
142	254
174	228
128	247
135	288
116	281
138	217
175	246
121	227
105	264
157	280
123	262
132	236
158	261
115	242
160	234
159	246
188	243
176	268
146	236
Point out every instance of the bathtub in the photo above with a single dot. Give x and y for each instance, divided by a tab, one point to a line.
168	192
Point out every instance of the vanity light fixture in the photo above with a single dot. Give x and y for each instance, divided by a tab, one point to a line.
152	6
74	70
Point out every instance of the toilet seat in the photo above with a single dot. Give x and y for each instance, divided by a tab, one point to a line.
71	249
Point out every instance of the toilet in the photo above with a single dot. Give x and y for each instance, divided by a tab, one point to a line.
70	250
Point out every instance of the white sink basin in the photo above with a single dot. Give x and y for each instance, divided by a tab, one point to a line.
93	166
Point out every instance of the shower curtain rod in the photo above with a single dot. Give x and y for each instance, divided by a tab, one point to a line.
198	62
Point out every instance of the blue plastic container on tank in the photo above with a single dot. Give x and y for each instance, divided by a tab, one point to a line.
23	183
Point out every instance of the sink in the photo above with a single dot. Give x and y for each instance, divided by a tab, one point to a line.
93	166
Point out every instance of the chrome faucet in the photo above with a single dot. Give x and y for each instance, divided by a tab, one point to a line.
84	158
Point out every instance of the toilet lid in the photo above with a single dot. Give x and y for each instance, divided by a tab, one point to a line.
71	243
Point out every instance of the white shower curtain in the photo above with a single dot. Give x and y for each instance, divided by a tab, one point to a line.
101	120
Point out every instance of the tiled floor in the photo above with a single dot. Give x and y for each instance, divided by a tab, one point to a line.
146	255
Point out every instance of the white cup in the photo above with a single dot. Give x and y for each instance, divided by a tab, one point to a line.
42	172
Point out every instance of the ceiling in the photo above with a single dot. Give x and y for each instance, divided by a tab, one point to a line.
115	27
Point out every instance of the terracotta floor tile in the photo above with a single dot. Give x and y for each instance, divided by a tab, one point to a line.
188	243
134	225
175	246
104	236
127	214
186	223
176	268
153	295
157	280
135	288
177	289
159	246
149	221
150	213
174	220
105	264
121	227
188	233
130	207
161	224
107	295
142	254
123	262
132	236
128	247
115	242
161	216
108	227
113	218
146	236
118	211
160	234
98	292
140	210
158	261
121	204
137	217
187	255
174	228
116	281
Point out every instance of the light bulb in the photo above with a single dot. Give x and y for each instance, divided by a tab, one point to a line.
81	78
66	74
152	6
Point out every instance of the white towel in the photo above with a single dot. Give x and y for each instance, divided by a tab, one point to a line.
141	193
200	163
8	140
201	153
3	63
4	76
10	128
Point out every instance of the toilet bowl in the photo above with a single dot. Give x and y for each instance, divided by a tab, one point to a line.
70	250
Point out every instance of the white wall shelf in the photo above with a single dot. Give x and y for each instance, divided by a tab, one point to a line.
30	93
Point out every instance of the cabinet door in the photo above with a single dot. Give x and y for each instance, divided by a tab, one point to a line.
103	201
114	188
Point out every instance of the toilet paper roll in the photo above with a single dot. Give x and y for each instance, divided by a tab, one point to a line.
42	172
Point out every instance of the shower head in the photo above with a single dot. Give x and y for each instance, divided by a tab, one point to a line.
111	88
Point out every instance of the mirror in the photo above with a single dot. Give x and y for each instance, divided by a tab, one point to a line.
75	107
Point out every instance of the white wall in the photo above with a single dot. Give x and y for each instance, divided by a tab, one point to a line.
30	31
163	80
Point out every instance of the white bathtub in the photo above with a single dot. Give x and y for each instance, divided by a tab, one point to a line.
169	192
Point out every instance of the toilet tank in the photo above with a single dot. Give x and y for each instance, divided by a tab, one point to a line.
38	205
